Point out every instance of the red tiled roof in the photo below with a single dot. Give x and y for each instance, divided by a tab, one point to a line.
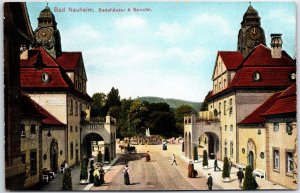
261	56
279	103
32	78
270	76
47	59
274	72
28	107
286	103
69	60
256	116
50	119
289	92
231	59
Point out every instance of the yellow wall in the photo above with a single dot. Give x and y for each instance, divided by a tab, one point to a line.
284	142
55	104
250	133
28	143
228	120
59	135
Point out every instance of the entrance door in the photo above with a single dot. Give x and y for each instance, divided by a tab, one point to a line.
251	159
54	156
211	148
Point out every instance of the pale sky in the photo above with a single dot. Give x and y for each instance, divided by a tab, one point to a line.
168	52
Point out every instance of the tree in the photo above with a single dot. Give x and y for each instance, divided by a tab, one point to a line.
122	122
67	180
112	99
180	112
98	104
249	182
114	111
99	156
195	153
137	118
84	172
205	160
225	173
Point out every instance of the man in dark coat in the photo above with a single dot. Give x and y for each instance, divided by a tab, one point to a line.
240	175
209	182
216	165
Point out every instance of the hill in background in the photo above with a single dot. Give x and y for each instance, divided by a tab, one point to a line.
174	103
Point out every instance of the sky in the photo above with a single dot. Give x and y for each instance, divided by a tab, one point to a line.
169	51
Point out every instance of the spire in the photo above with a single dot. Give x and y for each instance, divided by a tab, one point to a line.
46	18
251	17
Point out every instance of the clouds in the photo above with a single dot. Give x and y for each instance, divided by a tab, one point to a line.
168	52
171	32
130	23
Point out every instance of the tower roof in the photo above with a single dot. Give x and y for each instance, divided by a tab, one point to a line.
251	15
47	13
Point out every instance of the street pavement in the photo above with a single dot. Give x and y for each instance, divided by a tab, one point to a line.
158	174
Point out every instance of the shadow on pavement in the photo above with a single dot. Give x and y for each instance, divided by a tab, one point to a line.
125	158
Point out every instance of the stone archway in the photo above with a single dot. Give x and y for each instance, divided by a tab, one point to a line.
87	143
251	153
195	127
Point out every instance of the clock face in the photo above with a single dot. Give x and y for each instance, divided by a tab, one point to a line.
43	34
254	33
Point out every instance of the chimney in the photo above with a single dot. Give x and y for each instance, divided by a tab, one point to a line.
276	46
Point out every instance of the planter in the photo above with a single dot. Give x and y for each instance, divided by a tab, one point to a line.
83	182
227	179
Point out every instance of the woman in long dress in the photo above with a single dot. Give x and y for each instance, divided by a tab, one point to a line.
126	175
190	170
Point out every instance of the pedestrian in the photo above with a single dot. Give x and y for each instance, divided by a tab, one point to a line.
216	165
174	160
147	156
190	170
101	174
240	175
209	182
92	175
126	175
230	165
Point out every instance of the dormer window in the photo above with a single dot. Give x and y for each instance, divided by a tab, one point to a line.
256	76
293	76
45	77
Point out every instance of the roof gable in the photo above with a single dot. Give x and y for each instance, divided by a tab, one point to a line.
231	59
38	55
69	60
256	116
261	56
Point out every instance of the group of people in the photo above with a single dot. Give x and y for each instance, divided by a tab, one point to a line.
192	173
96	174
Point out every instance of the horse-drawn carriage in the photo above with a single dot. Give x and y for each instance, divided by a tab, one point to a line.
127	149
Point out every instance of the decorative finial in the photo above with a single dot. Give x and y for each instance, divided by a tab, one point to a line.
250	3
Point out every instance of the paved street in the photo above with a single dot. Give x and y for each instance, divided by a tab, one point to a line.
158	174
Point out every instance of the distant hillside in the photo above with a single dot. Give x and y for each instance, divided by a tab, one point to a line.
174	103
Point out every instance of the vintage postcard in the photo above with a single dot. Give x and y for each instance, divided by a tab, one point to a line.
154	96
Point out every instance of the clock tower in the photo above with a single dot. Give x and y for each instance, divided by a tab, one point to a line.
47	35
251	33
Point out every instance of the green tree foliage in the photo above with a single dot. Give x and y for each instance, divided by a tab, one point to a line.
195	153
98	104
161	119
205	159
84	172
122	121
112	100
114	111
225	173
67	180
204	105
249	181
137	118
180	112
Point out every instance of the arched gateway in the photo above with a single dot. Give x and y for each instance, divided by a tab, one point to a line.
194	127
99	131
